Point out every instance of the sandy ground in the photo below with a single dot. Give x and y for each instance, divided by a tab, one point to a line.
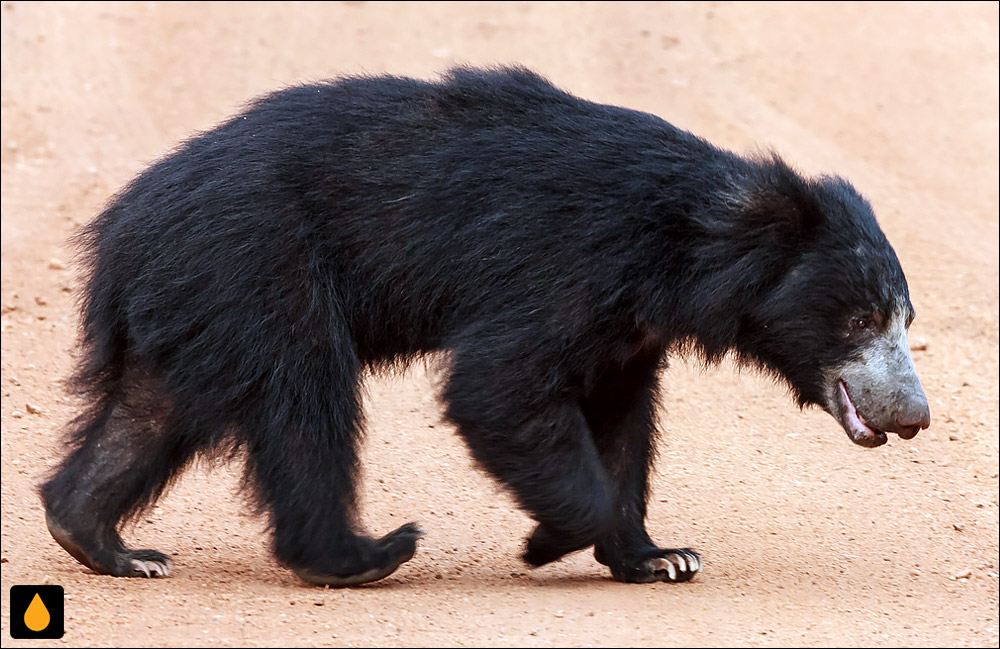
808	539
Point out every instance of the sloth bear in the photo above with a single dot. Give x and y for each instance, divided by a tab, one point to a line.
555	249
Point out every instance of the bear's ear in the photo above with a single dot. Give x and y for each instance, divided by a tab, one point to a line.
779	198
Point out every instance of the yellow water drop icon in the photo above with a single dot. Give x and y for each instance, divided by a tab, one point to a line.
37	616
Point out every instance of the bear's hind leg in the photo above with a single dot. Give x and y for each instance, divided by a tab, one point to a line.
302	457
124	458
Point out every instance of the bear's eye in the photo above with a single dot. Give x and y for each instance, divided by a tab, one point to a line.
863	323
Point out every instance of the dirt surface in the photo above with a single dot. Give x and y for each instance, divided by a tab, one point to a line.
808	539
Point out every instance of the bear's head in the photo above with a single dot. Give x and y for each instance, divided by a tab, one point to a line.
834	323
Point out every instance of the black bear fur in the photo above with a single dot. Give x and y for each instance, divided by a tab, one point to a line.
237	291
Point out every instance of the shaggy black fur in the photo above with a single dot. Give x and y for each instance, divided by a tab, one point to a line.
238	289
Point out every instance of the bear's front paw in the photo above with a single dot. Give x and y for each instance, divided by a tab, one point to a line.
673	565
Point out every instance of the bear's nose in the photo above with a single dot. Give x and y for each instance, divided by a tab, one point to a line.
907	425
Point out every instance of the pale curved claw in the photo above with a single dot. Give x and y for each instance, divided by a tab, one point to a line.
150	569
674	566
660	564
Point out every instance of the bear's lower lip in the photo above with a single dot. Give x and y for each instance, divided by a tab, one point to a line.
857	429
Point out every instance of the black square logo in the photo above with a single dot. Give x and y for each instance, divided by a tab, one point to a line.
36	612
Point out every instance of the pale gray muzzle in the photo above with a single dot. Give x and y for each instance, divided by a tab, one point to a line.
878	391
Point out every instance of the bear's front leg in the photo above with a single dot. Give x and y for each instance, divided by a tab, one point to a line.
523	430
620	412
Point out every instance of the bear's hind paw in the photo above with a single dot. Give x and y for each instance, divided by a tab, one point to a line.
149	563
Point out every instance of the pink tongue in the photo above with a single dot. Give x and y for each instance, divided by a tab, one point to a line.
857	425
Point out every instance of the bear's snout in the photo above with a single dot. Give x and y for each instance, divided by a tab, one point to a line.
879	392
913	418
